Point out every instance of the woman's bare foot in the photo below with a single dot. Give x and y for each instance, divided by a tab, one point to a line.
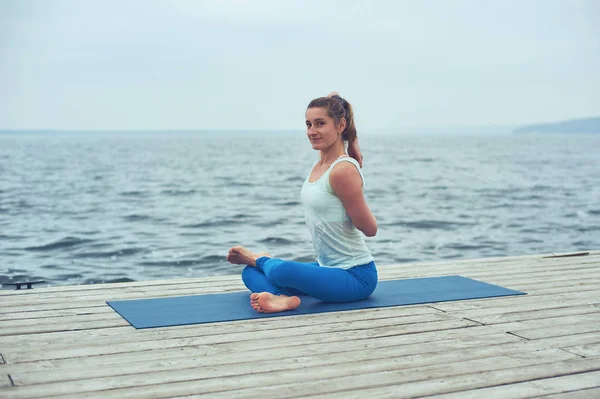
265	302
242	256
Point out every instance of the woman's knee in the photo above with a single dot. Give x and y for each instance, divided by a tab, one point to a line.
248	274
280	273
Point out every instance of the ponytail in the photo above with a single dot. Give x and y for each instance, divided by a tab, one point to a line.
349	133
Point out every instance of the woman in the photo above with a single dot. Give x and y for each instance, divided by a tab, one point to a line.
335	211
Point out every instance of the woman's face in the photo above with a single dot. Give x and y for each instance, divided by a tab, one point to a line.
321	128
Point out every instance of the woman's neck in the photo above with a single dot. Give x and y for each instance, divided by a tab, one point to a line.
329	155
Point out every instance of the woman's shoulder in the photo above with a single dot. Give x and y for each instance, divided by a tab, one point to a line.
347	158
346	163
346	170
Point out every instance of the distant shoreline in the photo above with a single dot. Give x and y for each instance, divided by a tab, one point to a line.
589	125
581	125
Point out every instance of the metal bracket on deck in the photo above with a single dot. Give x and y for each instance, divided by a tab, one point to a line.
28	284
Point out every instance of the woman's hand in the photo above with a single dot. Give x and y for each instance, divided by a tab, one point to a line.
354	151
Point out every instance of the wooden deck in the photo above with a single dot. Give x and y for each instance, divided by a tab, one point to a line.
66	342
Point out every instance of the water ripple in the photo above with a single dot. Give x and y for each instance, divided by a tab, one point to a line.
276	241
111	254
66	242
430	224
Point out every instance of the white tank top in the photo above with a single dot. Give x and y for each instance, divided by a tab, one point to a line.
337	242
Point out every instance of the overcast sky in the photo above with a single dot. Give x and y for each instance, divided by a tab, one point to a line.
255	64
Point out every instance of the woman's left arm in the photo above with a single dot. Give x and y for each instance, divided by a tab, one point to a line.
346	182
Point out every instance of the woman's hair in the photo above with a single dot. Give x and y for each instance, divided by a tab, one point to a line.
337	108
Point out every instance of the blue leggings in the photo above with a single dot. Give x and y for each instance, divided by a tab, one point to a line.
281	277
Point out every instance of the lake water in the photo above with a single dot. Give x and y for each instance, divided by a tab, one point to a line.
90	208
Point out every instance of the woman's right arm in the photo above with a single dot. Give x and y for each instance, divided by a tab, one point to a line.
346	182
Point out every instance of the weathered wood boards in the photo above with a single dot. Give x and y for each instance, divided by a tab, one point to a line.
66	342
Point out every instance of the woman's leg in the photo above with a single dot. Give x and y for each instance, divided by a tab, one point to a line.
266	297
256	281
326	284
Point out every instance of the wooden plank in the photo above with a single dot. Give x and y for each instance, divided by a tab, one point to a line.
558	331
588	350
523	307
107	336
255	350
443	266
54	306
567	383
247	352
133	284
580	394
588	285
447	306
112	315
54	314
296	336
491	316
533	329
101	296
115	289
503	262
64	321
5	381
117	293
592	289
436	352
553	322
186	287
237	363
570	254
275	339
541	277
377	371
559	321
46	328
32	338
515	278
541	281
527	302
498	318
562	341
534	281
299	320
492	268
505	302
388	386
454	264
103	309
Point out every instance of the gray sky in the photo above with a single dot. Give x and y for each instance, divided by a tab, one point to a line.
255	64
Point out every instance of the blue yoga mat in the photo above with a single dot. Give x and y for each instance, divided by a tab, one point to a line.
175	311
